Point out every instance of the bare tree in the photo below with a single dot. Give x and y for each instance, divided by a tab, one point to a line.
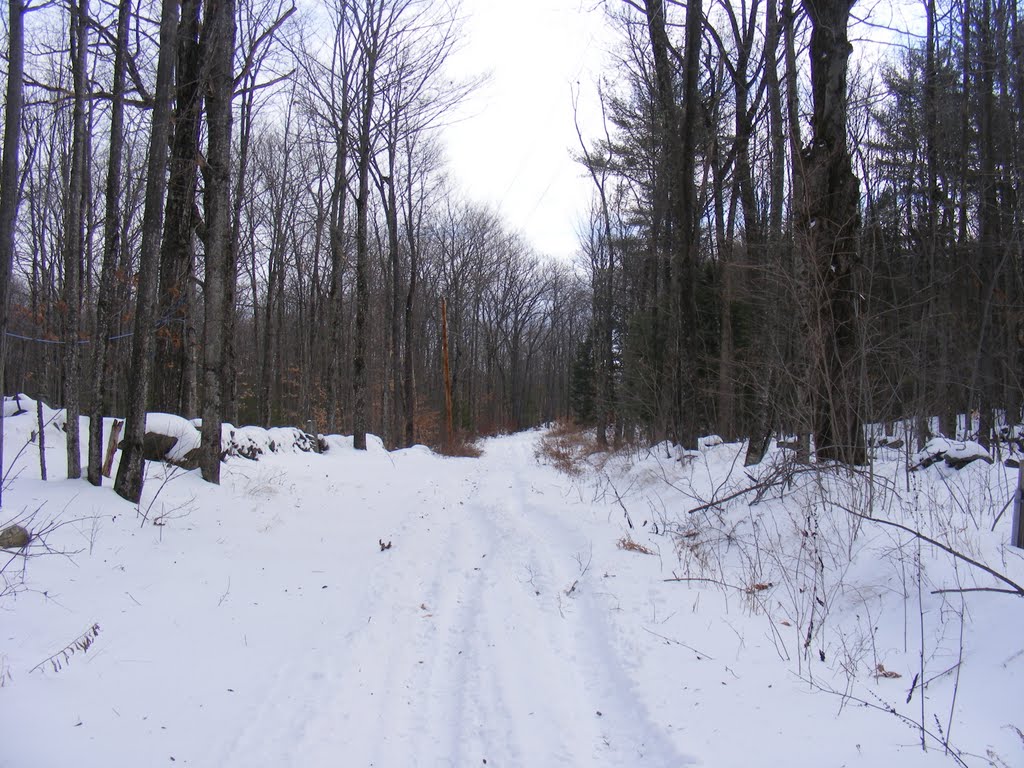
101	368
9	192
827	203
74	233
174	388
129	481
219	43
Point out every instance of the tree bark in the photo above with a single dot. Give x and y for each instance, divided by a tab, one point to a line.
678	133
105	310
74	237
828	218
173	392
370	43
9	193
409	381
130	479
219	44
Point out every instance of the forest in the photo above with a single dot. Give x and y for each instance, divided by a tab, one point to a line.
239	211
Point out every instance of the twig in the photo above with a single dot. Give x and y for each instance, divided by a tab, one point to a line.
677	642
227	591
952	752
618	498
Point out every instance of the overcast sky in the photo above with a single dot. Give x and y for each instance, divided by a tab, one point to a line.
513	142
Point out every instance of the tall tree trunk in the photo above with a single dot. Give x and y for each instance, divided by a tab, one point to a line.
9	180
396	285
766	305
219	44
105	310
679	192
129	480
828	218
229	379
412	233
359	384
74	236
989	230
339	264
171	388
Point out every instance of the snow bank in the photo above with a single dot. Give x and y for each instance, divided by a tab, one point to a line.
23	405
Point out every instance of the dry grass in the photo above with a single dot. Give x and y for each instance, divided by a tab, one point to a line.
566	447
627	543
461	445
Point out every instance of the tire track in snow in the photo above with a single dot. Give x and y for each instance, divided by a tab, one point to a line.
546	664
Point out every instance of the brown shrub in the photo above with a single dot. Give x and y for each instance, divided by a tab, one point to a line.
627	543
461	445
566	447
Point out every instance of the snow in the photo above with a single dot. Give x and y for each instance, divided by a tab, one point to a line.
260	623
956	453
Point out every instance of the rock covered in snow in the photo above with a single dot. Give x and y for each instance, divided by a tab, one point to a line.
176	440
710	441
956	453
186	436
155	446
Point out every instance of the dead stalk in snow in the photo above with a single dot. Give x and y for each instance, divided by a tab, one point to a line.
61	658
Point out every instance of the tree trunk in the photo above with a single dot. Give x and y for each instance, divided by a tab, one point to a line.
766	304
105	310
339	264
74	237
396	286
129	480
9	180
989	230
410	307
678	140
827	203
359	384
219	43
171	390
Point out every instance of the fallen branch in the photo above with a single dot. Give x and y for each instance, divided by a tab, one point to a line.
777	478
886	707
1016	589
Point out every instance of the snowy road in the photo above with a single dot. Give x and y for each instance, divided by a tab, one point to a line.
462	647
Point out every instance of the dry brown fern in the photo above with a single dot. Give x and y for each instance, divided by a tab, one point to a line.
627	543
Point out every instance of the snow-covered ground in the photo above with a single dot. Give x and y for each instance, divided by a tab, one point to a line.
262	623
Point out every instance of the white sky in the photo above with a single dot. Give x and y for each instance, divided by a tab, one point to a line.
512	145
